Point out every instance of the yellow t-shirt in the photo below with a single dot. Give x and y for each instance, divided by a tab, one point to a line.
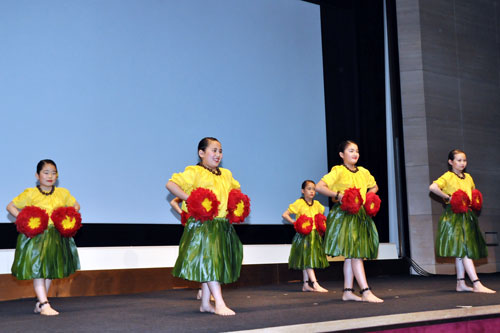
340	179
300	207
195	176
449	183
32	197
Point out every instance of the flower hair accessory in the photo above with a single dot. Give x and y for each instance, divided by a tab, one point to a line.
32	221
372	204
303	225
320	222
202	204
66	220
352	201
459	202
477	200
238	206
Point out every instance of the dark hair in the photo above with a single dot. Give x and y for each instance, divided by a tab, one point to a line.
343	145
304	183
42	163
451	156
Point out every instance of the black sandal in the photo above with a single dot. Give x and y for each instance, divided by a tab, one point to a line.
348	289
363	290
461	279
476	281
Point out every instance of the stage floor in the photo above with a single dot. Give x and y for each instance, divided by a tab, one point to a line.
407	299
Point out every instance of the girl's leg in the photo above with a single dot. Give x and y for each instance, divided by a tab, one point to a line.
306	286
315	284
42	306
471	272
359	272
348	294
461	285
206	306
220	305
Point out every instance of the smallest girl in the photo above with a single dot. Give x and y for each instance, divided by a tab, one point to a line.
307	250
458	234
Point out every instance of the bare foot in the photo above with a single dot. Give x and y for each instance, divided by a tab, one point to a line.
318	288
224	311
37	308
479	288
461	286
198	295
368	296
46	310
207	308
307	287
350	296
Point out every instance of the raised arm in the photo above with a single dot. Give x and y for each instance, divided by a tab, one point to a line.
176	190
434	188
286	216
175	205
12	209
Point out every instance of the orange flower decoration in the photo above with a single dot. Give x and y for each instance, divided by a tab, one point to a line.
352	201
477	200
203	204
66	220
304	225
459	202
372	204
320	222
32	221
238	206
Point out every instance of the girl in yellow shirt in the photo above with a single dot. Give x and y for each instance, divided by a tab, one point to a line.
210	252
458	234
353	236
307	251
47	255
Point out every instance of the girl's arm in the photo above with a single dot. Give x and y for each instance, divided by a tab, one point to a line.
176	190
286	216
12	209
434	188
374	189
322	188
175	205
77	206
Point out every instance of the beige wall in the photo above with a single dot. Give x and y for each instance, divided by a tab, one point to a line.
449	53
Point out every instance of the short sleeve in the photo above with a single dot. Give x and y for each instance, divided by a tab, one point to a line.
321	208
294	208
185	179
370	180
441	182
331	177
472	182
68	199
23	199
234	183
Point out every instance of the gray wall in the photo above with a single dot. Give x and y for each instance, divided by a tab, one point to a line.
450	82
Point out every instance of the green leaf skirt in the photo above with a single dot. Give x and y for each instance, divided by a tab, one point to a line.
350	235
209	251
47	255
459	236
307	252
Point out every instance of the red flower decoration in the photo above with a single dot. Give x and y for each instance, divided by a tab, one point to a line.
477	200
66	220
320	222
203	204
32	221
372	204
304	225
351	201
238	206
184	218
460	202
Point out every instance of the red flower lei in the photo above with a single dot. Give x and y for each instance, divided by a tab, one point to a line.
320	222
477	200
202	204
32	221
352	201
459	202
303	225
184	218
238	206
66	220
372	204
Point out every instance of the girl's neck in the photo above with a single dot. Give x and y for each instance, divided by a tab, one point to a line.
309	202
459	173
351	167
46	190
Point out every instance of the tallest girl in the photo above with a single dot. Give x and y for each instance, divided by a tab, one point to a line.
350	234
